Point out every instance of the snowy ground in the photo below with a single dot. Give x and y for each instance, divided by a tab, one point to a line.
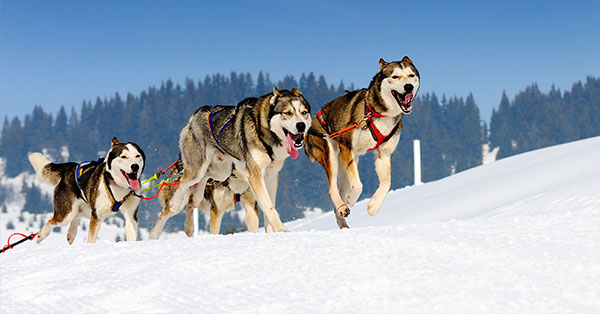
517	235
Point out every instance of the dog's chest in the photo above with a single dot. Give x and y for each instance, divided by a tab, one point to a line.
362	138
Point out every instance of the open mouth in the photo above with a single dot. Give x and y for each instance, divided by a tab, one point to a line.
293	142
404	101
132	179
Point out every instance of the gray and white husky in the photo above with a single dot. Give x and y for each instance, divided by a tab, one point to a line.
250	140
217	198
94	190
377	111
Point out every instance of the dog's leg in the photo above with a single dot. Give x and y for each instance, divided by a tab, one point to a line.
268	227
46	229
272	182
259	188
349	178
72	233
94	227
322	150
165	214
216	216
250	205
383	167
189	217
331	166
131	225
183	191
65	210
177	202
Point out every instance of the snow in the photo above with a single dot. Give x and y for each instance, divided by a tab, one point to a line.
517	235
489	156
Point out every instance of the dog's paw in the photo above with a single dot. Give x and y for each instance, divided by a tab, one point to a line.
341	222
342	211
153	236
278	228
352	196
373	207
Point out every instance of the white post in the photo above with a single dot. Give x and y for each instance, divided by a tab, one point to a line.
196	228
417	157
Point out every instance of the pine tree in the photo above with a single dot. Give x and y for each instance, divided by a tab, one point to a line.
60	128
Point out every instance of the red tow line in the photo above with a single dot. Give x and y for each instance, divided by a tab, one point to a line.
9	246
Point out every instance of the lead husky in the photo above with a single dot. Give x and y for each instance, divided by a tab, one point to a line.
374	119
250	140
94	190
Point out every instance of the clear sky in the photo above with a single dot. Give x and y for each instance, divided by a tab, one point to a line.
57	53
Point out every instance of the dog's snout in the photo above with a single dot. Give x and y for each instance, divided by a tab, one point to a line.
300	126
135	167
408	88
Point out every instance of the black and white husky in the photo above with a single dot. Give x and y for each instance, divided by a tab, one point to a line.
94	190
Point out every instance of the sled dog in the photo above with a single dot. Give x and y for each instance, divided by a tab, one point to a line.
363	120
94	190
217	197
250	140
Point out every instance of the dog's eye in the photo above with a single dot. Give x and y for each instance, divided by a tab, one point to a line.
411	75
395	77
138	156
304	112
287	113
123	157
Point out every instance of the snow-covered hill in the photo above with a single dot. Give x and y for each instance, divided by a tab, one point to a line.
517	235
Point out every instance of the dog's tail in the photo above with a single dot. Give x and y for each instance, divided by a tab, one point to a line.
44	169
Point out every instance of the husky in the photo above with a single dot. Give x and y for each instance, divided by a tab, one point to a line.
250	140
369	119
94	190
217	197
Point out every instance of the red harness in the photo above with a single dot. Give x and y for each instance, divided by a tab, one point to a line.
377	136
369	115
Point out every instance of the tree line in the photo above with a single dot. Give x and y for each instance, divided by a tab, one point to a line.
534	120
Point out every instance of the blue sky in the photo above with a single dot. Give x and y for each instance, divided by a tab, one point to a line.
57	53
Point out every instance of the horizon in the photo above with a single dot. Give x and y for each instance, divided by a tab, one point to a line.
64	53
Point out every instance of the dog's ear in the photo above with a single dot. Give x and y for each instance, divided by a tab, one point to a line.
115	142
296	92
406	60
382	64
276	93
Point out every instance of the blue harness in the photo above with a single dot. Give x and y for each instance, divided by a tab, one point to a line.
82	169
211	125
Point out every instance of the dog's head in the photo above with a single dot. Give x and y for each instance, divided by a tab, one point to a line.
125	162
398	84
289	118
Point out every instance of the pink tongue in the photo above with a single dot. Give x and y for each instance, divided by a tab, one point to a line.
134	184
289	146
408	98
